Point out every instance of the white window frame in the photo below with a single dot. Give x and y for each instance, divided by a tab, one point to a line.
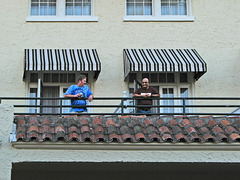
156	14
60	14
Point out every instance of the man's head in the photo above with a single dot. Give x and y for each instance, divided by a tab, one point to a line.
145	83
82	79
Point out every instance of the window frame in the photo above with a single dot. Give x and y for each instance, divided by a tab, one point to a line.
156	14
60	14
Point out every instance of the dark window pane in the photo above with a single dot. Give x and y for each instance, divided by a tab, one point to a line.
33	77
47	77
55	77
154	78
71	78
162	77
145	75
183	77
132	77
63	78
170	77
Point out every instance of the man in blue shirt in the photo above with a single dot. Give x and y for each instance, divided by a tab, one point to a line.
79	91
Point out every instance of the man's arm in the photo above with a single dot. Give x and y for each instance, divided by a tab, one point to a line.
90	98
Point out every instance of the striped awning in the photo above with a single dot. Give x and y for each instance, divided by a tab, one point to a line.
83	60
163	60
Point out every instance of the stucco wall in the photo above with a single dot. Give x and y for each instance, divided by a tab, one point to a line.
214	33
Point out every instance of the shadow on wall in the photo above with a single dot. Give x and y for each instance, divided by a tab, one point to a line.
123	171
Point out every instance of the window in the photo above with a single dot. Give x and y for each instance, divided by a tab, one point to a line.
34	77
158	10
59	78
139	7
78	7
43	7
173	7
61	10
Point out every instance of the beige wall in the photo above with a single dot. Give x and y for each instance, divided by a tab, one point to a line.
214	33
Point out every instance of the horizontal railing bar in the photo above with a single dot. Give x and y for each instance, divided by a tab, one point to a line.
237	114
126	106
125	98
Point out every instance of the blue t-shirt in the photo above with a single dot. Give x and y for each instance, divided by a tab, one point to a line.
75	89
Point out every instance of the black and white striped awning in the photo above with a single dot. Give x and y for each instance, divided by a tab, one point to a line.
83	60
163	60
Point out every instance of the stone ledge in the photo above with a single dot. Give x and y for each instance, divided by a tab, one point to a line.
128	146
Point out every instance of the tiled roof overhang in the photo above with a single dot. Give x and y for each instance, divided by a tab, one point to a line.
163	60
127	133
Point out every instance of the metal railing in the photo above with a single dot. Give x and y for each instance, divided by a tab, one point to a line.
22	108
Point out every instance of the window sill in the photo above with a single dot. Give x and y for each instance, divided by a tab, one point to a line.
61	19
159	18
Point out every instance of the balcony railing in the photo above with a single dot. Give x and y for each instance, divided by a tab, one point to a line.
198	106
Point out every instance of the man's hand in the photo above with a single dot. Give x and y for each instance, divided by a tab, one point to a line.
90	98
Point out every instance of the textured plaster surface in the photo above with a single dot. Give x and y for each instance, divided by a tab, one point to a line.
214	33
11	155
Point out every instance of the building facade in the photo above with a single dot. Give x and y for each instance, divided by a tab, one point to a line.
187	48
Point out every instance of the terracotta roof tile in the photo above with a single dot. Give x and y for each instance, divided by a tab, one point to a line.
154	137
235	137
191	130
97	121
60	128
83	122
173	122
186	123
164	130
100	138
86	137
148	122
208	138
181	138
21	136
222	137
160	122
167	138
204	130
47	137
46	122
225	123
99	129
74	137
85	129
115	138
216	130
21	122
212	123
33	122
128	138
110	122
140	137
194	137
33	136
176	130
128	129
199	123
230	130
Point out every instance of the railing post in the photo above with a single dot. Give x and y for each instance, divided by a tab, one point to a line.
122	107
61	107
184	110
124	102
